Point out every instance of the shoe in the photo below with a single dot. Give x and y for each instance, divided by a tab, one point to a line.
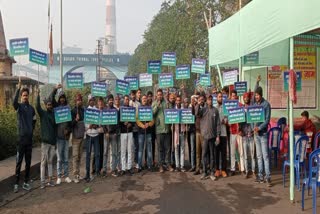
26	186
217	173
177	169
104	174
232	173
150	169
192	169
68	180
161	169
269	184
246	175
87	179
258	180
197	172
212	177
76	179
183	169
139	170
92	178
121	173
114	174
42	185
170	168
15	188
130	172
203	176
224	174
50	184
58	181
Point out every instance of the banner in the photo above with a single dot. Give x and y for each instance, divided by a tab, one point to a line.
241	88
133	82
145	80
122	87
62	114
286	81
171	116
154	67
38	57
165	80
109	117
145	113
230	77
99	89
229	104
183	72
187	117
127	114
205	79
198	66
19	46
92	116
74	80
251	59
236	115
169	59
255	114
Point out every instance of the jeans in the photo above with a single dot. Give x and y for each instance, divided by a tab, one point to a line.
233	142
164	147
248	143
106	149
101	145
221	149
145	139
208	147
199	142
92	141
136	146
77	148
179	144
62	157
262	155
192	149
47	154
115	147
23	150
126	150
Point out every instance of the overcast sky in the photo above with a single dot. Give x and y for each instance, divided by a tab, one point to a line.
84	22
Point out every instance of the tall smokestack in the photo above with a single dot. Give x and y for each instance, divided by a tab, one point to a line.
110	46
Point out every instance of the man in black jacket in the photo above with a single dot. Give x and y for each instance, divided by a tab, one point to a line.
48	139
26	123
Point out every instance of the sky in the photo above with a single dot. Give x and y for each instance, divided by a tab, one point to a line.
83	22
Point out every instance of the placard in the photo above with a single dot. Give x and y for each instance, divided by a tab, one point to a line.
122	87
154	67
99	89
241	87
19	46
255	114
127	114
229	104
183	72
145	80
62	114
251	59
109	117
230	77
38	57
172	116
74	80
133	82
205	79
198	66
145	113
168	59
187	117
236	115
92	116
165	80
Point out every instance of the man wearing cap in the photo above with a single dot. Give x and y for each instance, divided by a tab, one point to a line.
261	138
78	135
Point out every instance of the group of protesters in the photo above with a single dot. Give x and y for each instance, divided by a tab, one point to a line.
131	147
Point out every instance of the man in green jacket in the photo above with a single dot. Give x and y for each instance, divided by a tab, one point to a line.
48	139
162	132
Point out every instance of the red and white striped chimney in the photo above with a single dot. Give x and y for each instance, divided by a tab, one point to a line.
110	46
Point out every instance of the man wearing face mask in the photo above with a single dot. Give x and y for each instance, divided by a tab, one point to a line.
48	139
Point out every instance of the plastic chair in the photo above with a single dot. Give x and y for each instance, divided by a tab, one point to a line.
299	153
313	179
316	139
274	135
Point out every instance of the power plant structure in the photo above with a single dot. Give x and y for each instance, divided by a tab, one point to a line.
110	43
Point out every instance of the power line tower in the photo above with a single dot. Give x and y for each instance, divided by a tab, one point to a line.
99	52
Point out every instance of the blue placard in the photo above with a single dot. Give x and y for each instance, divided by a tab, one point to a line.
38	57
198	66
172	116
19	46
92	116
145	80
145	113
241	87
187	117
62	114
109	117
255	114
236	115
99	89
205	79
74	80
214	99
229	104
154	67
133	82
169	59
183	72
127	114
122	87
165	80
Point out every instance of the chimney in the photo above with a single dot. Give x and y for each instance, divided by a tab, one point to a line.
3	46
110	45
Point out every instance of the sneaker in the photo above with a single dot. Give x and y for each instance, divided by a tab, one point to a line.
50	184
76	179
197	172
15	188
192	169
42	185
114	174
217	173
212	177
68	180
161	169
224	174
183	169
26	186
58	181
170	168
258	180
204	176
269	184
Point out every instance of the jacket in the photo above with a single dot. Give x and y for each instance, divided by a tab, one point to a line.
263	127
140	124
222	117
209	121
93	132
113	129
47	124
78	128
158	114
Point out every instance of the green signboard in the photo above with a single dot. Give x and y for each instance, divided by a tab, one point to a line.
169	59
109	117
122	87
172	116
241	87
92	116
251	59
127	114
165	80
154	67
236	115
99	89
229	104
286	81
62	114
19	46
255	114
183	72
145	80
205	79
145	113
133	82
38	57
186	116
198	66
74	80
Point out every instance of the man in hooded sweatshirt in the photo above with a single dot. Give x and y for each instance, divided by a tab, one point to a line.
63	135
48	139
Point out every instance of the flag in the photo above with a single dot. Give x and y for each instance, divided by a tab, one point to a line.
51	47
